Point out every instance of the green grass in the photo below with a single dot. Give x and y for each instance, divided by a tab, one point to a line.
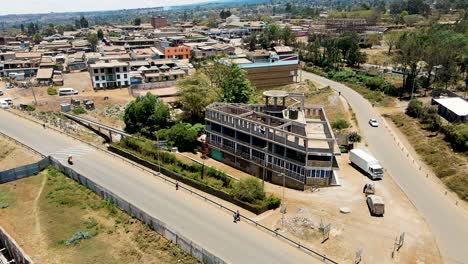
51	91
449	166
7	198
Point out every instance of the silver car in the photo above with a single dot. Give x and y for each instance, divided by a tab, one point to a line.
373	122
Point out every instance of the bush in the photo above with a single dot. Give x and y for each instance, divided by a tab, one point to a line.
248	190
79	110
51	91
272	202
30	108
415	108
340	124
354	137
457	136
77	237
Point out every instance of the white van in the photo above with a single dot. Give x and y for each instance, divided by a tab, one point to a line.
3	104
376	205
67	91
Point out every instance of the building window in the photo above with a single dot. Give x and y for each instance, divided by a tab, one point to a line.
96	70
118	76
117	69
125	76
124	69
103	78
96	78
102	70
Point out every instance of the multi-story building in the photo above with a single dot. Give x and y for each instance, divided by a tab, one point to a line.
173	48
282	141
267	68
158	22
112	74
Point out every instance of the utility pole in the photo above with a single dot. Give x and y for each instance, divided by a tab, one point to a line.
159	161
282	201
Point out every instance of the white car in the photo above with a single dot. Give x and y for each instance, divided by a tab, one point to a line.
373	122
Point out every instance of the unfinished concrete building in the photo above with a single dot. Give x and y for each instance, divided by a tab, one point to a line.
281	140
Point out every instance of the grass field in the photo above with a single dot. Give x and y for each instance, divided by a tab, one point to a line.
451	167
47	210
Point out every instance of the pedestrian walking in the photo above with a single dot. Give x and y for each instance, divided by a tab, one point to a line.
177	185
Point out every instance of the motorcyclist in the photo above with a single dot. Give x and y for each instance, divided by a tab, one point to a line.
70	159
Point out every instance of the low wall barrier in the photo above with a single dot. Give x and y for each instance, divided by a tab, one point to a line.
23	171
196	185
184	243
13	249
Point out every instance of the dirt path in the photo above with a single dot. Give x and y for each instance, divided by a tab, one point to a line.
37	219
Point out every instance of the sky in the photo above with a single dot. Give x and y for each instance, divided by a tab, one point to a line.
47	6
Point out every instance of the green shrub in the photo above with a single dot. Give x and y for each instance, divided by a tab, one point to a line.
340	124
457	136
51	91
79	110
248	190
77	237
272	202
30	108
415	108
354	137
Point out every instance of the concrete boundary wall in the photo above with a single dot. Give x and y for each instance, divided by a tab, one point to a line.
184	243
13	249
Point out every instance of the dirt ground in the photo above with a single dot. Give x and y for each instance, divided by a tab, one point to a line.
48	209
306	211
12	155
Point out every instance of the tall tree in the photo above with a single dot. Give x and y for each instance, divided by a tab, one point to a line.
391	39
252	41
146	114
235	87
288	36
84	22
100	34
196	93
137	21
22	28
93	40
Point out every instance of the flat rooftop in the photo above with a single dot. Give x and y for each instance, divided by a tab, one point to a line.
456	105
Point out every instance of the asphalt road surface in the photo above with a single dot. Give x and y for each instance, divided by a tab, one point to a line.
204	224
448	222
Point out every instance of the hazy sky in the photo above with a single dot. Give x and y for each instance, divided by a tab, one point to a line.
47	6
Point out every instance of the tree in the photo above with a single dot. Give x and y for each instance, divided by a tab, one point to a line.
231	83
49	31
22	28
37	38
146	114
185	16
137	21
411	46
391	39
288	36
348	43
270	36
235	87
372	39
93	40
100	34
84	22
288	8
222	14
77	23
183	136
196	93
252	41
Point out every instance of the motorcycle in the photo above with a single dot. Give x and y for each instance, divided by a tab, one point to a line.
70	160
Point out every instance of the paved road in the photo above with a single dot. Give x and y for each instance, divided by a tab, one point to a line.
195	219
448	222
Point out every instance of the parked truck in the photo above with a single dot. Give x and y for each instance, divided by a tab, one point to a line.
367	163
